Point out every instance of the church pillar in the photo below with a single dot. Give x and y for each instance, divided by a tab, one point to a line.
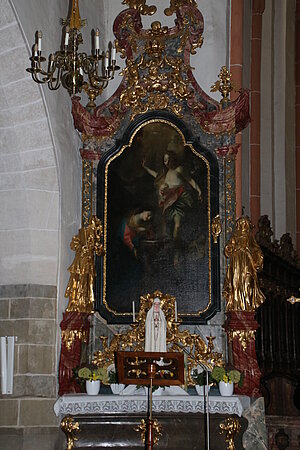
236	69
297	128
258	7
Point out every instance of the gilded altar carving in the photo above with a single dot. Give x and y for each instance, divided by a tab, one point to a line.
68	337
157	430
216	228
134	339
224	85
244	337
69	427
153	75
141	6
230	427
241	289
80	288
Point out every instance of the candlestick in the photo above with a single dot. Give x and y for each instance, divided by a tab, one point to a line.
40	41
175	311
67	36
114	51
133	311
97	39
106	60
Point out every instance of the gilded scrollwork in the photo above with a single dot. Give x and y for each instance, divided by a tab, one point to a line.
244	336
68	337
230	428
80	288
134	338
141	6
156	427
69	427
216	228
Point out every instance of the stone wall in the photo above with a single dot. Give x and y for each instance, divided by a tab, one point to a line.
29	312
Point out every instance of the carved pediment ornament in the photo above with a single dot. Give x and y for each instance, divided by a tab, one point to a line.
134	339
158	76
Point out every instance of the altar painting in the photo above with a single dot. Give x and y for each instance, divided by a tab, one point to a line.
157	219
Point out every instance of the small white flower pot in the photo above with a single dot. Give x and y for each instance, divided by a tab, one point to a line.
116	388
92	387
201	389
226	389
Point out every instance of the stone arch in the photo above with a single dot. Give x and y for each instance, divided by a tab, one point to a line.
29	188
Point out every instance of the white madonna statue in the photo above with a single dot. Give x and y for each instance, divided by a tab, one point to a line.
155	329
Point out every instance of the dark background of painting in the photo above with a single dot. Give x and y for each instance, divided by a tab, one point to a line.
131	190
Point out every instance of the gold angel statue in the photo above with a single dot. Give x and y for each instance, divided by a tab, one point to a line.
241	289
80	288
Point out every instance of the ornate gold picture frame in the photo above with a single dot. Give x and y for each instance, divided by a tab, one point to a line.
157	195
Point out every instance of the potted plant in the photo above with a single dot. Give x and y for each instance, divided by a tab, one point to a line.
116	387
199	377
92	375
227	378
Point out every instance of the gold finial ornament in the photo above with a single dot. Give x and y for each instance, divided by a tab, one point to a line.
69	427
293	300
216	228
74	21
230	427
80	288
223	85
241	289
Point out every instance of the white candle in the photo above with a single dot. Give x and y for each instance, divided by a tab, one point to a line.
175	311
106	59
114	51
3	365
133	311
97	39
40	41
35	50
67	36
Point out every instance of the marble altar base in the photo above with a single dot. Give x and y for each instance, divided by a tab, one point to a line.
109	421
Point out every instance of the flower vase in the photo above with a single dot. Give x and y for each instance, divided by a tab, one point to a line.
116	388
92	387
201	389
226	389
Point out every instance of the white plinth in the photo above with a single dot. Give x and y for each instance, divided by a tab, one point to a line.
83	404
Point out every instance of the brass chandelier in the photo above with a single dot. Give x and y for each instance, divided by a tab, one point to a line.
75	71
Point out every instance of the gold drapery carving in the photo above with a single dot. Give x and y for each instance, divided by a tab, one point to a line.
80	288
241	288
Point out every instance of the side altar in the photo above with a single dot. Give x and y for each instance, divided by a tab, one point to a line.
158	208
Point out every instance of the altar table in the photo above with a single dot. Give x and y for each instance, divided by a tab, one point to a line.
109	421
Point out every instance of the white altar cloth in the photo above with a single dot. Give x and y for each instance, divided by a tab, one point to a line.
86	404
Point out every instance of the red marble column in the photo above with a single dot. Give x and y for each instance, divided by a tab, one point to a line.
236	69
297	128
258	7
79	324
240	327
